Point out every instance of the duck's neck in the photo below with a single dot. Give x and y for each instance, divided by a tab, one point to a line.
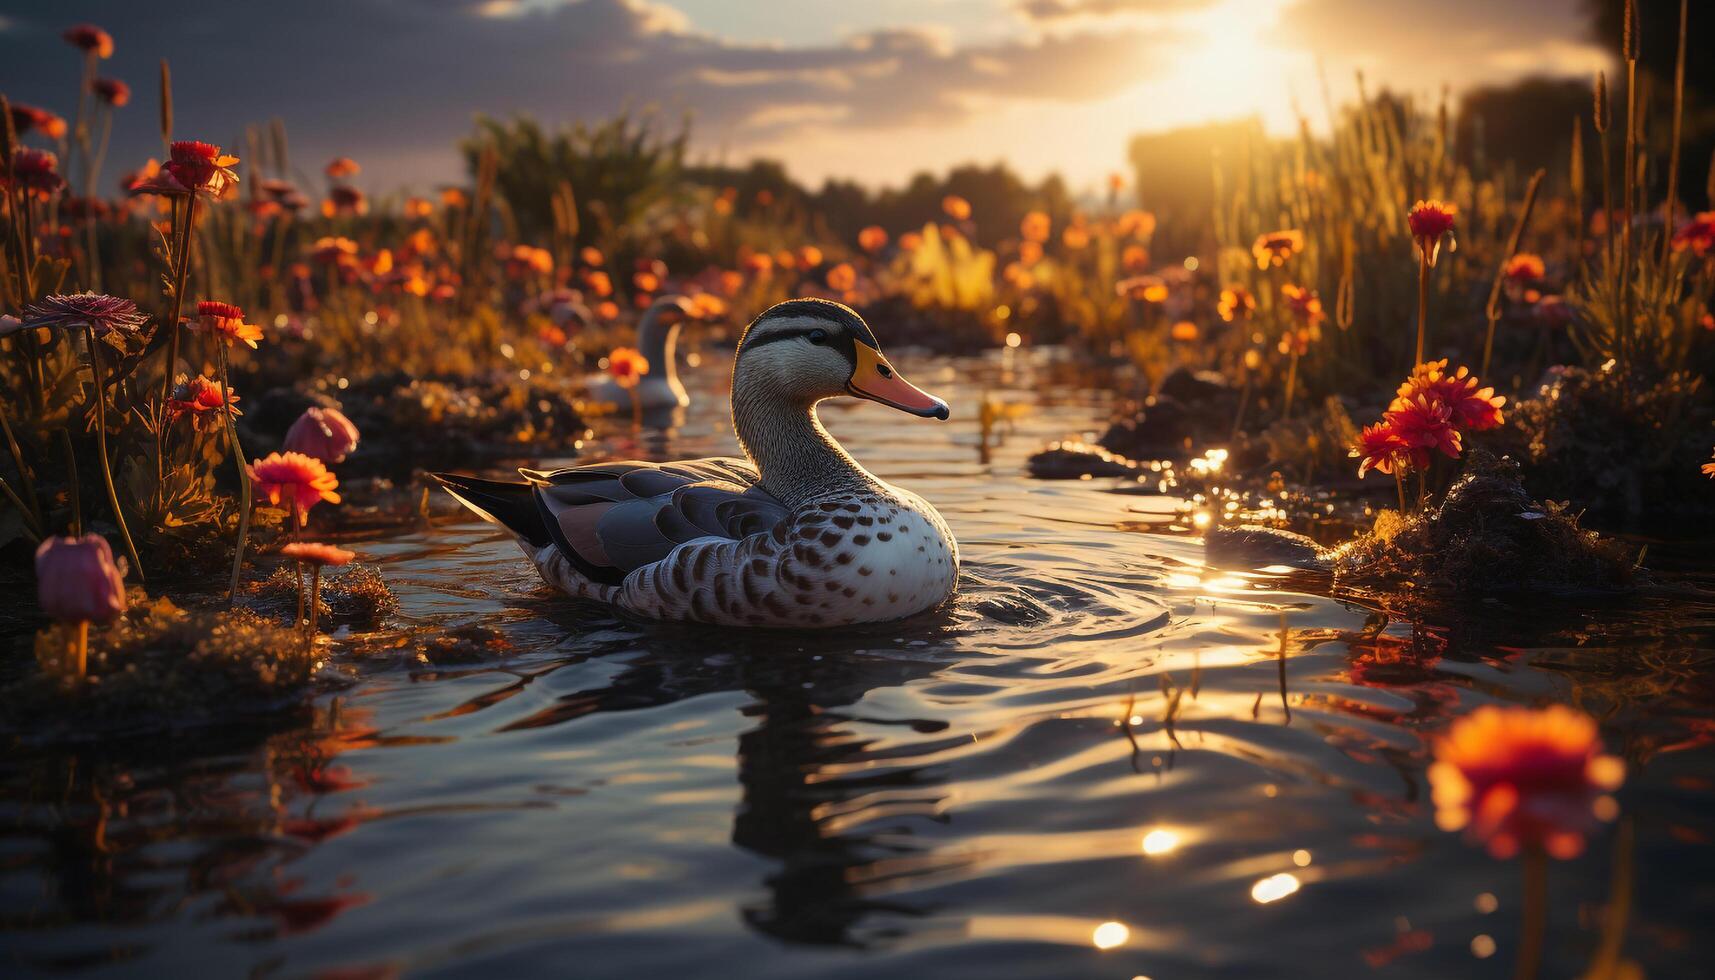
798	459
658	345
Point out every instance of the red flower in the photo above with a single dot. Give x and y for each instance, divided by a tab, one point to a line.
295	478
89	38
36	172
1473	409
226	321
193	168
1698	235
345	200
1525	269
1519	777
111	91
1304	305
201	399
1429	222
1423	423
1236	303
78	580
27	117
1380	448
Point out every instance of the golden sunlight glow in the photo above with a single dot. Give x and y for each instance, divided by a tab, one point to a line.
1109	935
1274	887
1160	841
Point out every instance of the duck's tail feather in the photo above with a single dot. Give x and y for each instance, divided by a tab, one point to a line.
511	505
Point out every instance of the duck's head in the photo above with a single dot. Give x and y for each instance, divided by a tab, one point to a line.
805	350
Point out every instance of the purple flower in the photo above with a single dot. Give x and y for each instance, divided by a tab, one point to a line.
104	313
78	580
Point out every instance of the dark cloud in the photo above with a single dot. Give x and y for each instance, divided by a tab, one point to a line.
395	82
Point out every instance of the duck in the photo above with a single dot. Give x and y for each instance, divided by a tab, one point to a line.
657	341
796	534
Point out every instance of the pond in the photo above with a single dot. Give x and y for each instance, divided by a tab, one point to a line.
1104	760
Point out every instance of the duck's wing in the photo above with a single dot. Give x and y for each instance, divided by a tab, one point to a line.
610	519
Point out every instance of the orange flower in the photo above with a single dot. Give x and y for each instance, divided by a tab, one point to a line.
1429	222
842	277
1304	305
226	321
1140	224
731	281
334	251
1029	252
759	264
317	554
419	207
1425	423
627	366
599	282
1525	268
527	260
872	238
1296	341
1473	409
340	168
90	39
1513	778
1184	331
1149	289
956	207
708	306
1709	469
300	480
27	117
591	256
345	200
1135	258
607	309
1116	182
809	257
1380	448
1075	237
1236	303
911	241
1035	227
1274	248
453	197
647	282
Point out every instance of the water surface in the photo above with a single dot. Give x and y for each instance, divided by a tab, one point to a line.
1102	743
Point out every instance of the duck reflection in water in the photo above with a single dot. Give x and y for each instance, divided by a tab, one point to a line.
819	796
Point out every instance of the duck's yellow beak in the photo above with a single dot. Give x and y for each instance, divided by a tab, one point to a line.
876	380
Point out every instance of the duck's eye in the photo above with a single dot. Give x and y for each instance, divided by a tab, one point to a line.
818	337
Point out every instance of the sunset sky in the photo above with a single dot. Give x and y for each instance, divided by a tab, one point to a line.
872	90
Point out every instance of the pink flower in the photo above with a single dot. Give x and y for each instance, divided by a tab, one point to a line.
322	433
78	580
295	478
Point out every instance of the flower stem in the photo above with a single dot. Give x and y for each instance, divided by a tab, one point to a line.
315	597
101	446
1535	868
1291	386
1399	484
297	567
243	475
71	483
26	483
80	648
175	306
1422	302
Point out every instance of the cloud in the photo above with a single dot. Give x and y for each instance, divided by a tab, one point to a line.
1057	10
393	77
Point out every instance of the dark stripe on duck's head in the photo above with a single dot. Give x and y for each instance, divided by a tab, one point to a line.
842	322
